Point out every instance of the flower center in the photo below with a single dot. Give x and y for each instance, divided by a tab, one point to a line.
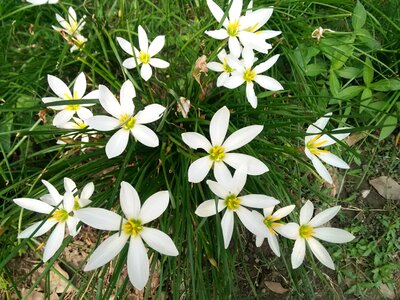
270	223
313	146
80	125
76	203
74	97
217	153
232	202
133	227
306	231
60	215
127	122
144	57
226	67
249	75
233	28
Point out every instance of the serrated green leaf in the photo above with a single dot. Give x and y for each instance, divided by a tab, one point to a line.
359	16
334	84
389	125
349	72
366	98
315	69
350	92
368	71
386	85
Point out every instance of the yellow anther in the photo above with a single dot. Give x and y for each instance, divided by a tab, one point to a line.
270	223
144	57
127	122
60	215
76	203
232	202
306	231
133	227
249	75
313	146
217	153
233	28
226	67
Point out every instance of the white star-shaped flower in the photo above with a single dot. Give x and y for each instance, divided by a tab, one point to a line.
130	228
315	140
64	93
228	188
76	124
219	150
144	56
222	67
72	26
40	2
124	119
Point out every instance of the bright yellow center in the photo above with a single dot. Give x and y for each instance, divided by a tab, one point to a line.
232	202
217	153
226	67
306	231
270	223
133	227
249	75
252	28
233	28
60	215
127	122
74	97
144	57
80	125
76	203
313	146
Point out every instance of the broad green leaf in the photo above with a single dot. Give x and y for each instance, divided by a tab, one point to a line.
340	56
366	98
349	72
359	16
365	37
315	69
350	92
368	72
334	84
386	85
389	125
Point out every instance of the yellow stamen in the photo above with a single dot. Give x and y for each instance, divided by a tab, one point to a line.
226	67
76	203
133	227
60	215
249	75
306	231
74	97
269	221
144	57
313	146
217	153
232	202
127	122
252	29
233	28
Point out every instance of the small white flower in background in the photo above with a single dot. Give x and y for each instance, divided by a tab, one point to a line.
319	33
40	2
309	229
76	124
60	208
183	106
124	120
245	73
145	54
64	93
219	150
315	141
132	228
240	28
83	199
272	222
222	67
228	190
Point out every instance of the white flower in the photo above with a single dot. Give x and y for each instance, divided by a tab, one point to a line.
315	141
132	228
63	93
222	67
228	190
245	73
145	53
123	118
309	229
83	199
237	27
219	150
40	2
60	208
72	26
80	125
272	225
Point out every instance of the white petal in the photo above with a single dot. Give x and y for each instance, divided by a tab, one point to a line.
234	81
289	230
283	212
34	205
235	63
333	160
103	123
117	143
72	15
235	10
258	201
248	57
87	191
109	102
146	72
215	10
219	126
222	173
261	68
251	95
138	263
79	86
227	227
324	216
260	16
72	223
53	99
320	124
332	138
268	211
199	169
254	225
130	63
54	242
259	241
320	253
145	135
195	140
298	253
149	114
273	244
107	250
59	87
219	34
127	94
219	189
125	45
156	45
241	137
68	201
209	208
321	170
69	185
221	80
43	228
143	40
63	117
306	212
84	113
254	165
234	46
216	67
268	34
159	241
99	218
129	199
333	235
159	63
268	83
154	206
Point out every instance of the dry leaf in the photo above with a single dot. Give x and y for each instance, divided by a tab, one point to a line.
365	193
355	137
183	106
386	187
200	67
276	287
386	292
